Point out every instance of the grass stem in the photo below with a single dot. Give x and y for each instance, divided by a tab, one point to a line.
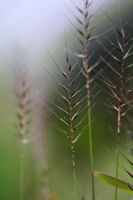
91	154
117	151
117	171
22	156
74	181
90	139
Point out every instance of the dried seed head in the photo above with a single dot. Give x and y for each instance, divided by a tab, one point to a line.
118	74
22	90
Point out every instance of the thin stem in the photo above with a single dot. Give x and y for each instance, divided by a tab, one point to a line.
74	171
22	156
72	150
90	139
75	183
91	154
22	91
86	72
117	151
71	130
117	171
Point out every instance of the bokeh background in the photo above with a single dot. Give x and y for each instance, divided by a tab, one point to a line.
38	27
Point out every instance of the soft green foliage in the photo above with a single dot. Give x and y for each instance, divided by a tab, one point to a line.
112	181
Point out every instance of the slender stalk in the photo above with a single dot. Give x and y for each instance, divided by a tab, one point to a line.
117	152
22	91
75	183
90	135
119	85
119	122
91	154
117	171
72	134
22	164
86	72
71	108
74	170
84	30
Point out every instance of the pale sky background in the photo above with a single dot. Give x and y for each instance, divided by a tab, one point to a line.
28	20
35	23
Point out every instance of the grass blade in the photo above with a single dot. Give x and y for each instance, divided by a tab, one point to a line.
112	181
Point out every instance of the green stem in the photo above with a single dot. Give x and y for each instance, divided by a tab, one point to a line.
117	171
74	181
72	137
74	167
21	185
117	151
90	137
91	153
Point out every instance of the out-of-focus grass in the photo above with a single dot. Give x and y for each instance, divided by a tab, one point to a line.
60	177
9	146
59	158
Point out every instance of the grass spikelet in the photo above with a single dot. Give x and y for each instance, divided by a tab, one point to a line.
119	67
66	112
89	70
22	91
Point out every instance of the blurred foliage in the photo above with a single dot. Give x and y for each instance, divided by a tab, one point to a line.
60	178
